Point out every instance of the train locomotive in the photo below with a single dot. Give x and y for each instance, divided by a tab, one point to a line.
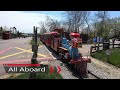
67	50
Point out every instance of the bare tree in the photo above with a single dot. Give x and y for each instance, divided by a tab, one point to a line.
100	24
76	19
52	23
101	17
43	29
87	19
114	26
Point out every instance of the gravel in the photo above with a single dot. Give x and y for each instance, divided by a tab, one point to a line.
101	69
104	70
65	73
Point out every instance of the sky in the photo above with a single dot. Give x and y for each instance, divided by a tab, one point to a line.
25	20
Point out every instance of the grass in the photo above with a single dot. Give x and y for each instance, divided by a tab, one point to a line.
43	75
21	76
39	76
32	42
113	59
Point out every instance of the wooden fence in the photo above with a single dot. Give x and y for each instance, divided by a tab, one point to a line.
94	49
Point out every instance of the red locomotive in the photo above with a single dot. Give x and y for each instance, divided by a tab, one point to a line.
67	49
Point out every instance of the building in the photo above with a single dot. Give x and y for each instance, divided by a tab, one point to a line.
6	35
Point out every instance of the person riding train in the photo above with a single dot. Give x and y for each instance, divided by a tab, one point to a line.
74	52
72	47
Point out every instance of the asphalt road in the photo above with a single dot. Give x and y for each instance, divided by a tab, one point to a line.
19	51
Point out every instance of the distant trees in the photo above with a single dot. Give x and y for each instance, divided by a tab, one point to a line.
49	25
43	29
76	19
52	23
114	27
100	25
105	26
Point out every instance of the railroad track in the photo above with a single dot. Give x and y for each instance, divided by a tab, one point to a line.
92	76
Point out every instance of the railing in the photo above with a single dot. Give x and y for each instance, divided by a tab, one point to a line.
94	49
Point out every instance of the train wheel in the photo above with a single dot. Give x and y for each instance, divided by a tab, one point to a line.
82	69
71	66
68	64
60	54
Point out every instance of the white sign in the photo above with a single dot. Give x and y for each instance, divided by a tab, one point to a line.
108	52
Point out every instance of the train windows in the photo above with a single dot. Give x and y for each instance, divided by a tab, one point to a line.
57	36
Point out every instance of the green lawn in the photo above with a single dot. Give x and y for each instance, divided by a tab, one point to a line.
39	76
113	59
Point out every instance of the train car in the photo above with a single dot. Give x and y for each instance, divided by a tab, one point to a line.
68	50
69	53
55	41
42	38
47	38
51	39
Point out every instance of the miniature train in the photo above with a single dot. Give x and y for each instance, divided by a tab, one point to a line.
67	49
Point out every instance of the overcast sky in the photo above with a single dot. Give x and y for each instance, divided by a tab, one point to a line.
25	20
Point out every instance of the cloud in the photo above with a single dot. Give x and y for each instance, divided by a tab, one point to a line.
23	21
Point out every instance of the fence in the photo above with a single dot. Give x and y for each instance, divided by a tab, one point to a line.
94	49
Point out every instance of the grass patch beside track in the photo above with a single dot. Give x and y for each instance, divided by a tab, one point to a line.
39	76
113	59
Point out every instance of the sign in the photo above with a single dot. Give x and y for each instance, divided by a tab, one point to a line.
108	52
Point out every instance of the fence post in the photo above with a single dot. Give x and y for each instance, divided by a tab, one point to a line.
98	48
113	41
91	50
33	74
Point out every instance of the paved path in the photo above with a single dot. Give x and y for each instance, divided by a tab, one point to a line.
19	51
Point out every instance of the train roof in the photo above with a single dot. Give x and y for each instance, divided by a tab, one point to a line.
47	33
75	34
51	33
59	30
54	32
